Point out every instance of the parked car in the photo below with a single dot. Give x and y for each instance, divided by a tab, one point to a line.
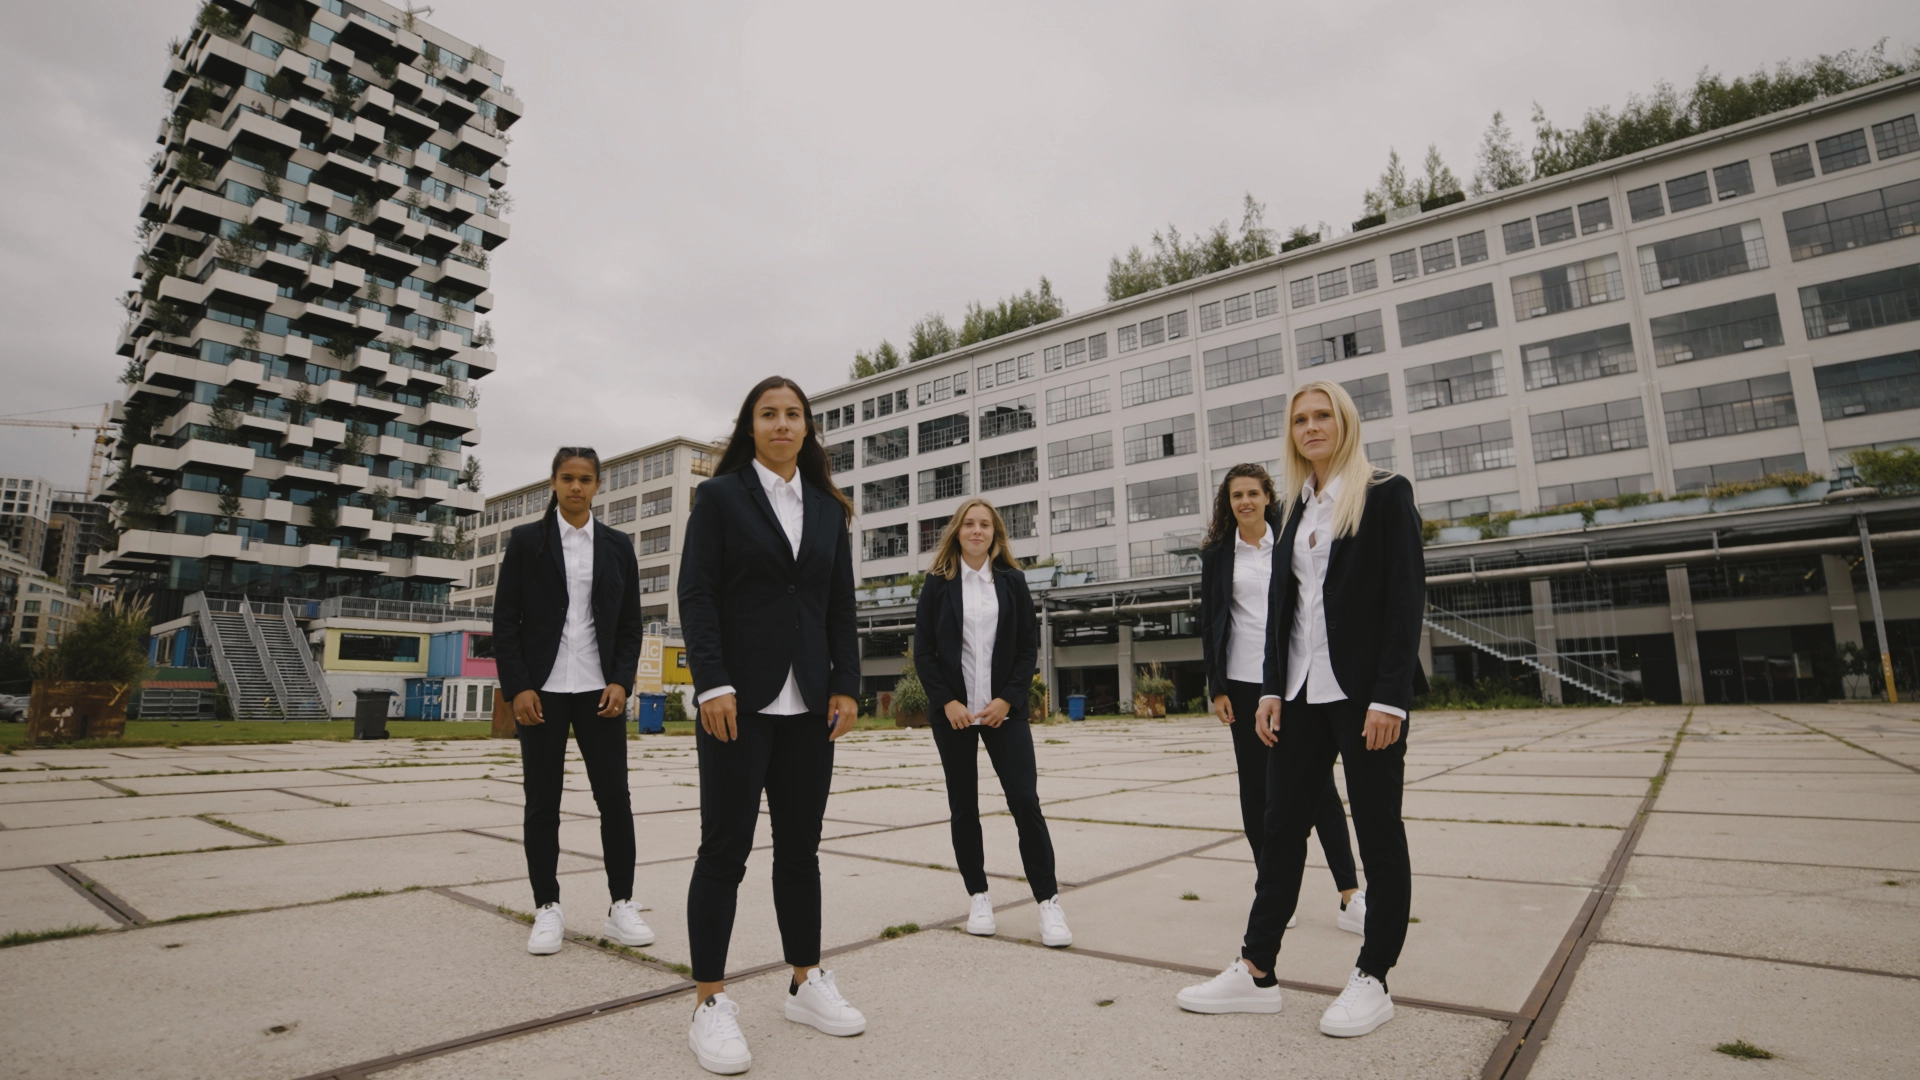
13	709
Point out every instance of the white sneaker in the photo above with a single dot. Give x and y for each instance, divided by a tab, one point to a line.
1361	1007
715	1037
1353	917
1053	925
818	1004
980	918
1231	991
625	925
549	929
1293	920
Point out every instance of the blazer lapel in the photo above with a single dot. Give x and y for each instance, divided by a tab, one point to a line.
750	476
553	549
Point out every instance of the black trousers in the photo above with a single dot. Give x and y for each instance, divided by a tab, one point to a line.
1310	737
791	759
543	760
1010	747
1250	755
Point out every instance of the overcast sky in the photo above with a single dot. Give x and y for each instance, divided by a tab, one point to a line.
711	193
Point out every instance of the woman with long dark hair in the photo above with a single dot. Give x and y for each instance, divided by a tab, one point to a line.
975	638
1348	593
766	606
1236	572
566	638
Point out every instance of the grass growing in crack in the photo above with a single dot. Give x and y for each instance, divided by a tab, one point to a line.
181	851
28	937
512	914
198	915
1056	742
1103	1002
626	950
1189	896
1744	1050
241	829
1413	918
900	931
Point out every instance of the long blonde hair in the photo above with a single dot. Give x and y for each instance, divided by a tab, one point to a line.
946	553
1348	465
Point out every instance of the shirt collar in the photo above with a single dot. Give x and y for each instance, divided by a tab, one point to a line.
1306	489
772	482
1266	539
968	573
567	529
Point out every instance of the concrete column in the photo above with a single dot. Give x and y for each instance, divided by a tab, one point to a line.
1686	647
1047	674
1125	662
1426	649
1844	604
1546	642
1812	429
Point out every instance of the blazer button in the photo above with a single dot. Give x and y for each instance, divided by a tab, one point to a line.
789	588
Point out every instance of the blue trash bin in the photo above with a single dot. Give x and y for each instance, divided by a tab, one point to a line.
653	714
1076	706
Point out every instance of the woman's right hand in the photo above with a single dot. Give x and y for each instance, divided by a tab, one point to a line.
526	708
718	715
1223	708
1266	720
958	716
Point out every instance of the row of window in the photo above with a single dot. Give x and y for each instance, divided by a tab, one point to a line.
617	512
1846	150
1151	500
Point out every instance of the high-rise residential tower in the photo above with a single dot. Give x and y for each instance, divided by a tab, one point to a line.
304	341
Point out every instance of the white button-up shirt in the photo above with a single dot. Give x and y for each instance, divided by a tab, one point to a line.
979	627
1308	662
576	668
790	506
1252	574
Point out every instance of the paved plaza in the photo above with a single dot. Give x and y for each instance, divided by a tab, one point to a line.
1636	885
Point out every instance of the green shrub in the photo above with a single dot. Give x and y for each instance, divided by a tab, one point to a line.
676	710
1891	472
107	645
909	697
1445	693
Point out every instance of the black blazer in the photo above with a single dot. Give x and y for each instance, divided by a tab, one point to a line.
1375	598
1216	603
530	606
938	628
750	611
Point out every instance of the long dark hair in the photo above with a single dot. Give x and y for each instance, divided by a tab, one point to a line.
1223	524
813	457
561	457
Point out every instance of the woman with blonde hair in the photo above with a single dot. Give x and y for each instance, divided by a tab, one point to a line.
1342	649
975	639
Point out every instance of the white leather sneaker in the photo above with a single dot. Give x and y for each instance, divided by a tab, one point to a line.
980	917
549	930
1293	920
1353	917
818	1004
625	925
1053	925
1361	1007
715	1037
1231	991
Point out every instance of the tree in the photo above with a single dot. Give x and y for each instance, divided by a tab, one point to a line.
1891	472
137	497
353	448
107	644
1396	189
1439	179
229	507
1501	163
224	418
323	520
931	336
884	357
1030	308
16	672
1176	259
470	474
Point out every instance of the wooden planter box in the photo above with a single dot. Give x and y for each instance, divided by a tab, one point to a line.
1149	705
503	724
914	719
65	711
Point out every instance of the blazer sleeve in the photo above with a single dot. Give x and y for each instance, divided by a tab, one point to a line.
631	630
509	610
926	645
1272	678
843	635
1026	644
702	567
1404	599
1209	572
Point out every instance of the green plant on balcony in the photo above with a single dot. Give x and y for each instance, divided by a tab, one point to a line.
273	171
1794	481
429	55
224	417
380	500
470	473
344	95
281	86
216	19
435	458
466	161
323	520
133	373
374	294
1890	472
362	210
301	401
500	202
353	448
386	65
137	497
483	337
320	248
191	168
294	38
229	507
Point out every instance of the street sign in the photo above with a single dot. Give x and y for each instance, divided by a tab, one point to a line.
653	650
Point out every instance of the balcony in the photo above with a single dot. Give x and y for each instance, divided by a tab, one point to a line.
170	459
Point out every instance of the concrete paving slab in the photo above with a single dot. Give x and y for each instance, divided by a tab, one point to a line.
1533	785
1157	807
273	876
73	843
35	899
82	811
1889	797
1612	810
1892	845
28	773
398	819
55	791
889	806
1859	764
1478	943
377	976
1166	771
1082	850
912	1029
1813	914
859	899
1565	763
1637	1012
671	835
413	774
1538	853
184	783
365	794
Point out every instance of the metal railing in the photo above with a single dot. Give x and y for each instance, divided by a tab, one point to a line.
1601	684
366	607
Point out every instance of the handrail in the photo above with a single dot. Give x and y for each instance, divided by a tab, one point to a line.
1585	676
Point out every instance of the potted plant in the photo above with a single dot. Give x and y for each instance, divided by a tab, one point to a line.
1037	697
909	698
83	684
1150	692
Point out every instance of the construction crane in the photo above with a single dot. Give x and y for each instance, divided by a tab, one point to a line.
103	440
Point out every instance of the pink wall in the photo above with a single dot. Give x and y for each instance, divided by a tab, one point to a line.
470	668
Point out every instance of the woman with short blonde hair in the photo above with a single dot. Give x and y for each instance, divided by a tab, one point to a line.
975	639
1349	580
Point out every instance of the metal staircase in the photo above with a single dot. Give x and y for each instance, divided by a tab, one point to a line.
268	672
1605	685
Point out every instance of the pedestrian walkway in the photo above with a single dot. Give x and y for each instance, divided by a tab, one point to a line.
1598	892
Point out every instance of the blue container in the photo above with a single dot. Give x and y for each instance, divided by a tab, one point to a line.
653	714
1076	706
424	699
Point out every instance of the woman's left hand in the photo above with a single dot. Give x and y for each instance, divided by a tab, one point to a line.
842	711
994	714
1382	729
